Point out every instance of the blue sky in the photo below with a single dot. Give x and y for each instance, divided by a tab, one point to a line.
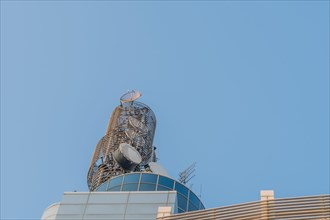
240	87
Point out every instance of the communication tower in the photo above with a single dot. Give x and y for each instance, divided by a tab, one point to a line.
127	144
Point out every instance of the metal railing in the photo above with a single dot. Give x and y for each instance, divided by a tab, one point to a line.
298	208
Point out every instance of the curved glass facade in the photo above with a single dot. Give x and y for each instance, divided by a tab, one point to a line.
187	200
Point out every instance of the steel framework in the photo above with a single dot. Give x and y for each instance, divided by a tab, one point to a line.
133	123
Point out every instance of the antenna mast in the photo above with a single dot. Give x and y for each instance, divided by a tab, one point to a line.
186	175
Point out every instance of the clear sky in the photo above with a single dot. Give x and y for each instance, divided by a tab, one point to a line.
240	87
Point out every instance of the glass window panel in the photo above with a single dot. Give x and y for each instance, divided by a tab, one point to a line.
180	210
147	187
103	187
163	188
132	178
149	178
194	199
115	181
116	188
130	187
166	182
182	202
192	207
181	189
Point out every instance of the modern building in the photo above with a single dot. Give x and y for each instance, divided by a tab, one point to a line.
126	182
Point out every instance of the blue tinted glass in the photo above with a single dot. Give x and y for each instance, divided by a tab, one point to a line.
116	188
192	207
102	187
180	210
182	202
163	188
193	199
130	187
166	182
181	189
115	181
147	187
132	178
149	178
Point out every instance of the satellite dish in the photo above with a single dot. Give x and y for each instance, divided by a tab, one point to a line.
138	124
130	96
157	169
127	156
131	134
135	137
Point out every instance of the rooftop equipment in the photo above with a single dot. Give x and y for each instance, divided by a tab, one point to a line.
127	144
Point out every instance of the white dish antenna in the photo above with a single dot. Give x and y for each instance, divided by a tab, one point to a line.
157	169
135	137
130	96
127	156
138	124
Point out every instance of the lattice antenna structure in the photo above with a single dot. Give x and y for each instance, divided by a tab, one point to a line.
186	175
128	143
